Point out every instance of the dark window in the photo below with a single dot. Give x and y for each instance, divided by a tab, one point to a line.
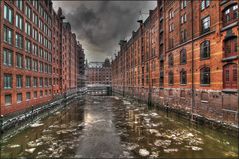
230	76
170	92
19	81
205	49
205	75
230	47
183	3
183	77
170	78
205	4
170	60
7	35
183	36
7	57
7	81
171	45
205	24
8	99
204	96
230	14
182	93
183	56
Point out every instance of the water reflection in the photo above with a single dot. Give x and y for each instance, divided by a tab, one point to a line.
152	133
54	138
110	127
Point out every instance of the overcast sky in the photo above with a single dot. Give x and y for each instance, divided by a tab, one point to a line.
100	25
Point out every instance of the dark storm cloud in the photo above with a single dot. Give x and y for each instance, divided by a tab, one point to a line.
101	24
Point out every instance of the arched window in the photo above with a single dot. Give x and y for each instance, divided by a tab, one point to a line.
170	60
230	46
170	78
205	49
205	75
183	77
230	14
183	56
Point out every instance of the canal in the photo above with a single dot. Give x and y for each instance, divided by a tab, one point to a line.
110	127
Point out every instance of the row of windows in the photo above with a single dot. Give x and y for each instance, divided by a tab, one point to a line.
28	10
30	64
204	54
230	49
8	15
229	75
29	47
8	97
230	15
29	81
8	38
205	27
204	76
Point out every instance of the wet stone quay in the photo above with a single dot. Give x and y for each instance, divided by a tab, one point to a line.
113	127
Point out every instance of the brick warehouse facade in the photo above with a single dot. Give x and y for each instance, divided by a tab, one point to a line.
185	56
98	73
34	61
81	66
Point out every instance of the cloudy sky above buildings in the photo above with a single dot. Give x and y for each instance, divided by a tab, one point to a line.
100	25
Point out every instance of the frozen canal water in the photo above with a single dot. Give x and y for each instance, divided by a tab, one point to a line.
110	127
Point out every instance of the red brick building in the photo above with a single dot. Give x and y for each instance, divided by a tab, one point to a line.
81	66
195	68
38	55
98	73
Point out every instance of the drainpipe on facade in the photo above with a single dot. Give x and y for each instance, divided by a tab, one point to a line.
193	89
150	82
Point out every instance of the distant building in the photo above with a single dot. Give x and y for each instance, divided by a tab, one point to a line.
98	73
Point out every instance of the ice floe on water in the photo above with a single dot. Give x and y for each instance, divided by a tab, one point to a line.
170	150
154	114
116	98
131	147
194	148
37	124
153	131
54	126
31	150
14	146
162	143
34	143
143	152
154	155
81	124
125	102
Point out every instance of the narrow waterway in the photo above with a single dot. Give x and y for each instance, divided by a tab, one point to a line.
110	127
